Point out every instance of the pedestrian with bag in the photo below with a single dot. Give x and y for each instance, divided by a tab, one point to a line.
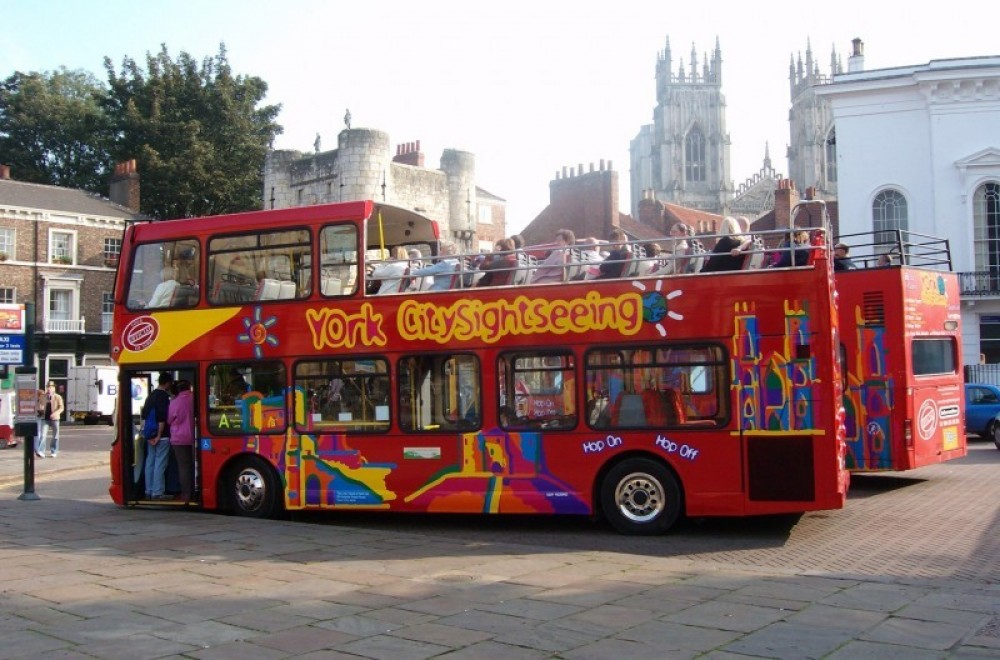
156	431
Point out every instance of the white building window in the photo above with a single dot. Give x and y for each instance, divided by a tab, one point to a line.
889	214
7	244
986	228
112	249
60	304
107	310
8	295
62	247
485	214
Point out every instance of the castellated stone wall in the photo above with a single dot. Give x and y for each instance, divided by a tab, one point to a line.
362	168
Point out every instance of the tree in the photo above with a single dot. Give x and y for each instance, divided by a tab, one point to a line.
53	129
197	132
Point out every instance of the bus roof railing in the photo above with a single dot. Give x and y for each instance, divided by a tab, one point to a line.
897	247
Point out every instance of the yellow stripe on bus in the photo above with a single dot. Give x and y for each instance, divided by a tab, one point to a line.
176	330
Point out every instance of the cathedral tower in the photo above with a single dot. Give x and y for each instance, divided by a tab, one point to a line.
683	156
812	151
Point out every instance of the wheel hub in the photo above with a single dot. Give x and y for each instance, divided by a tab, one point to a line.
640	497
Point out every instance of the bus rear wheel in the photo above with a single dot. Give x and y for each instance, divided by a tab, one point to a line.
254	489
640	496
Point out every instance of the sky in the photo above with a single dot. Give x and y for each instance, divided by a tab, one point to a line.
528	87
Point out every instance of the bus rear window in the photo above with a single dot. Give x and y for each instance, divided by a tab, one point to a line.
933	356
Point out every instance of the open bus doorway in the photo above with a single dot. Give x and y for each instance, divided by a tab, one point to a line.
129	458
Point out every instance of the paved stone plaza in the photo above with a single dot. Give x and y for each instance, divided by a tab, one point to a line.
908	569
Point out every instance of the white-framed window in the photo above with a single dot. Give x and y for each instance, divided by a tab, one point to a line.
60	304
485	214
889	213
107	310
986	228
7	243
8	295
62	247
112	248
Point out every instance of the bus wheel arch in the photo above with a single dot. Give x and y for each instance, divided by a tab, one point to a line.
251	487
639	493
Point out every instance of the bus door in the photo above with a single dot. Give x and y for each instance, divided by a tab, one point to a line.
935	417
128	458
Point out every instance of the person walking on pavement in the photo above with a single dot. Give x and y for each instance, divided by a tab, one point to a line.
181	419
158	445
50	407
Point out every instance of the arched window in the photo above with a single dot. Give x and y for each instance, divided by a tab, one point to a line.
694	155
888	215
986	228
831	156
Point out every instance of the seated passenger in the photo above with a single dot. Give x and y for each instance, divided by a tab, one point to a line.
444	271
795	253
841	260
553	267
618	258
498	267
389	274
164	292
728	251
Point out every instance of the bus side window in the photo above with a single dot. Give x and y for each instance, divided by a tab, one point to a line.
440	393
246	398
338	260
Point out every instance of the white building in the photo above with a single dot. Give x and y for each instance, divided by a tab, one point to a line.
918	148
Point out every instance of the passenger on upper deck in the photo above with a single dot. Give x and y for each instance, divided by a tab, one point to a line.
841	260
443	271
498	267
799	246
680	249
617	260
164	292
553	267
389	274
728	251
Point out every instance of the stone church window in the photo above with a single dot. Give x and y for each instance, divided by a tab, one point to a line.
889	213
986	232
694	156
831	156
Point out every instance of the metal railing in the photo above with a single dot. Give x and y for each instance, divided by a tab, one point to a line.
979	283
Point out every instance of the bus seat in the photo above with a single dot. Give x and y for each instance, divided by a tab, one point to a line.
523	273
184	295
629	410
574	269
674	407
698	255
268	289
330	285
286	290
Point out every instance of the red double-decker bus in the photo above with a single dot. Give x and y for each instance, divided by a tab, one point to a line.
900	323
641	398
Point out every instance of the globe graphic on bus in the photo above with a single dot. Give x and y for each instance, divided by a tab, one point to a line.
654	307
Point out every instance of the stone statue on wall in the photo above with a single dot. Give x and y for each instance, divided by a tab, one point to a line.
347	118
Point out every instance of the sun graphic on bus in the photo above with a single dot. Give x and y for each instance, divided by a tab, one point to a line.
256	332
655	305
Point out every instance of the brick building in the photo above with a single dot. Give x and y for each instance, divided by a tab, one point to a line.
59	249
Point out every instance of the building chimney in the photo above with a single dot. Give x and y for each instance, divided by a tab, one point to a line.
125	185
785	199
4	172
409	154
856	62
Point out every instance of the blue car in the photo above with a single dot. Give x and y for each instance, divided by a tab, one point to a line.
982	406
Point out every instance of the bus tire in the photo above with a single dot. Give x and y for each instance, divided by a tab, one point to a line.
640	496
254	489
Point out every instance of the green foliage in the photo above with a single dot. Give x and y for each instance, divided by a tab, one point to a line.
53	129
196	130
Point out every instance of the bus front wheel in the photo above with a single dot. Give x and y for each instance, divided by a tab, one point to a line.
254	489
640	496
